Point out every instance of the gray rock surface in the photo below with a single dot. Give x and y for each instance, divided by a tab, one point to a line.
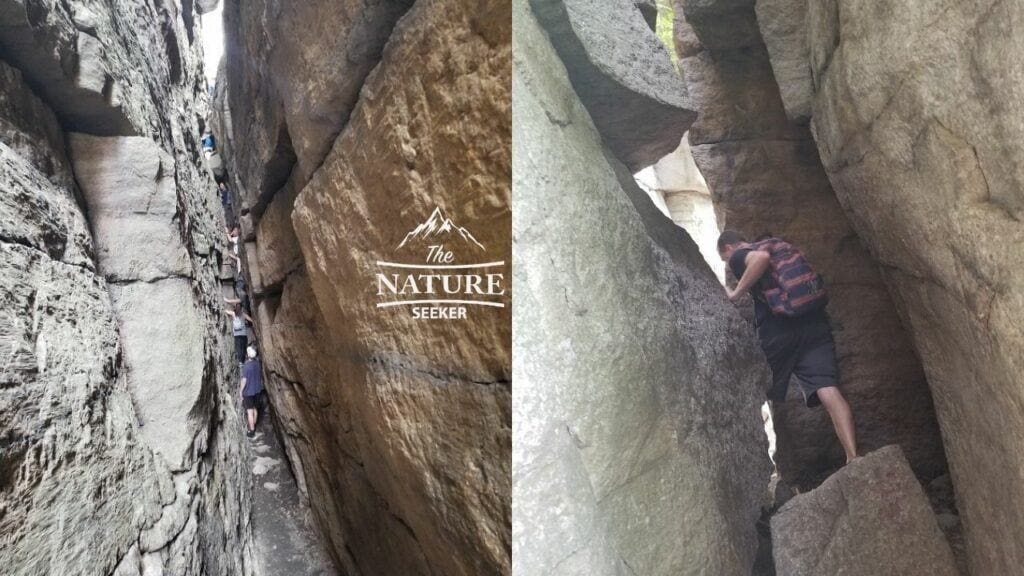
104	470
917	116
623	74
638	441
869	519
765	177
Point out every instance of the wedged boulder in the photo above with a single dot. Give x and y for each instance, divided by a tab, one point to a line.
204	6
623	74
917	117
782	27
91	64
869	519
638	441
31	128
765	176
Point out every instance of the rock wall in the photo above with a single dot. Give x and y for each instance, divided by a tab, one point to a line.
638	441
765	177
113	459
399	429
915	109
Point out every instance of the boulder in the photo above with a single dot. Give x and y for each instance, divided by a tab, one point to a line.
869	519
31	129
623	74
638	440
916	115
205	6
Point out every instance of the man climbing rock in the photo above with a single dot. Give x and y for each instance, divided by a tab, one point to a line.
239	328
789	313
250	389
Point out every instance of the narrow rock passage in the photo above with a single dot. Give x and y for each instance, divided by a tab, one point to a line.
284	540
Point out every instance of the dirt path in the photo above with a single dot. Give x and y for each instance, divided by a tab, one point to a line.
285	542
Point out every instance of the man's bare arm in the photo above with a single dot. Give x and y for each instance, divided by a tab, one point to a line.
241	387
757	262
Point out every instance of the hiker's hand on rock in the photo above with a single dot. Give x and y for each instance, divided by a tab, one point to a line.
733	295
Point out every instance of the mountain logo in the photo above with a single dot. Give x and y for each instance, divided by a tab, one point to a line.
439	228
440	284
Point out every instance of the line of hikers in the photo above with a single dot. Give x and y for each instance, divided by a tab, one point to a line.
250	367
789	316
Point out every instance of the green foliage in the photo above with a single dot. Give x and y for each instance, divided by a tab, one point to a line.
663	28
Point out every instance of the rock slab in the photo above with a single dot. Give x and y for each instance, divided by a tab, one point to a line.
623	74
638	445
869	519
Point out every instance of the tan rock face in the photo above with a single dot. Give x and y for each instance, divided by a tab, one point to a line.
766	177
638	441
400	427
295	70
916	112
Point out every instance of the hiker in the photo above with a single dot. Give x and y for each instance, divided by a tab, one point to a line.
208	142
242	298
239	330
225	199
250	389
789	313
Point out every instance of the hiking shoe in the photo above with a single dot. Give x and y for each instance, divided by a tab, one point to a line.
250	433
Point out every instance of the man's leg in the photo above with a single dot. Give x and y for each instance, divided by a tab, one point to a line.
842	419
251	413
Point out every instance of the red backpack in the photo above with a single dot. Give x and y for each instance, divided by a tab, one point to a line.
791	287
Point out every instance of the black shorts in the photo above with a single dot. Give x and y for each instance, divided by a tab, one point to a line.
241	342
250	402
809	353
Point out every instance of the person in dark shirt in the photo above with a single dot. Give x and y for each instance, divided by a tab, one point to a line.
250	388
800	346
